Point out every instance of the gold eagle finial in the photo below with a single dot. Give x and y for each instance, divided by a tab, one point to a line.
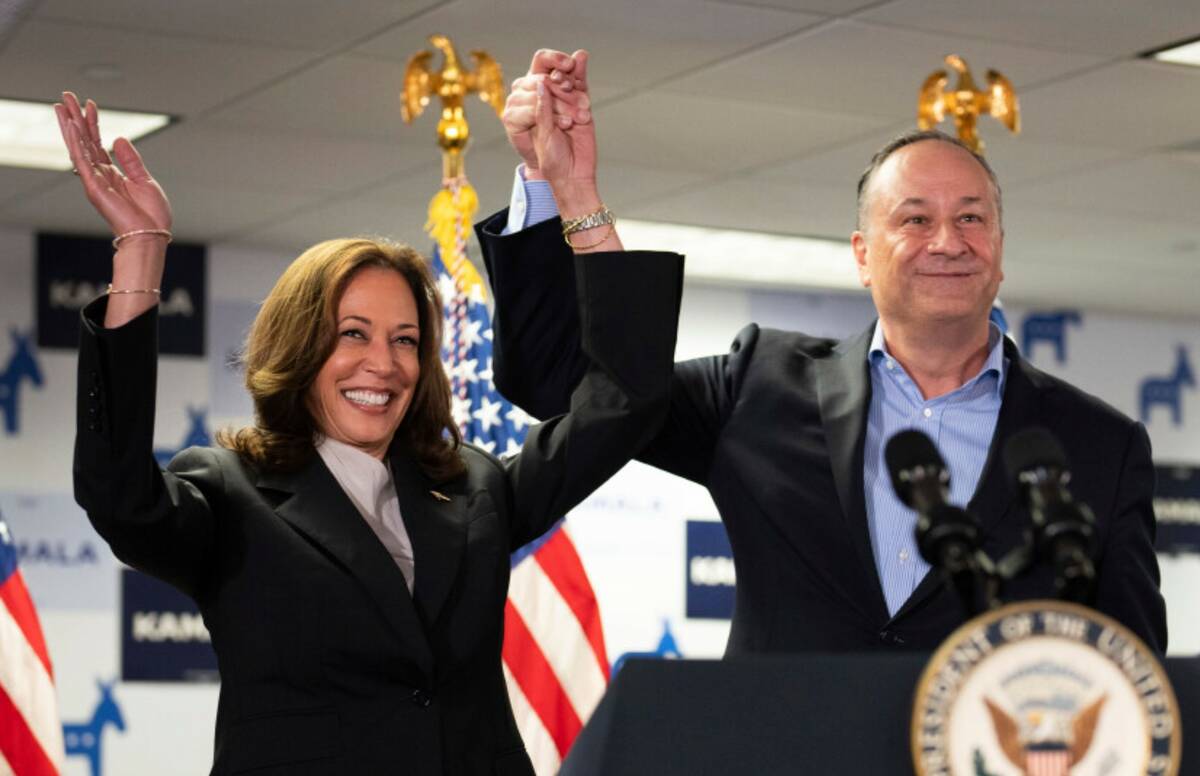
451	84
966	102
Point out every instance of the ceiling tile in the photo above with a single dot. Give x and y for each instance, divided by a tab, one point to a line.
755	204
1119	189
632	45
1110	28
863	69
216	157
1129	105
661	129
169	75
829	7
311	24
347	97
1015	159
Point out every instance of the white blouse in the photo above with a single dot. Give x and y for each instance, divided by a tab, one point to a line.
368	482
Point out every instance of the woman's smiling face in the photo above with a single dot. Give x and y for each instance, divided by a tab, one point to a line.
365	386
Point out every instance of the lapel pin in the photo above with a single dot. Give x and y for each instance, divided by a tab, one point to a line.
439	495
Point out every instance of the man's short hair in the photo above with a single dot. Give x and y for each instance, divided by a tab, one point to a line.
908	138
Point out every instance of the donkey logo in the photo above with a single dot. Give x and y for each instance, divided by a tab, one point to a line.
1048	327
1168	391
22	365
667	649
82	739
197	436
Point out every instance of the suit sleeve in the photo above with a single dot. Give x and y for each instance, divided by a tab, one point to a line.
1128	585
158	522
621	400
539	358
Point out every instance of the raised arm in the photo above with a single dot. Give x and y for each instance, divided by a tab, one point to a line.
158	522
129	200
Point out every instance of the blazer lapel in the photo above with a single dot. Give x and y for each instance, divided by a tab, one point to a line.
844	390
436	523
319	509
994	496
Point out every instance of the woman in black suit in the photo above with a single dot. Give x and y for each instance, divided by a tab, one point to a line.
349	553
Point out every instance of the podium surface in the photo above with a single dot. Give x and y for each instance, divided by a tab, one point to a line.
826	714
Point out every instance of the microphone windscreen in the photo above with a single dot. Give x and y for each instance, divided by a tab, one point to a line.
1032	448
906	451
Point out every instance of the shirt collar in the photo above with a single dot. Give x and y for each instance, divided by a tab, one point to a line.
365	478
995	364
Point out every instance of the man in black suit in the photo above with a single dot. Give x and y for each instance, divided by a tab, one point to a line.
787	431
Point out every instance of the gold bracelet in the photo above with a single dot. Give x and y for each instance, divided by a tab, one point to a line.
575	247
160	232
590	221
112	290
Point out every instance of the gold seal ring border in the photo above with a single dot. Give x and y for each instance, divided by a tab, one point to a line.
986	620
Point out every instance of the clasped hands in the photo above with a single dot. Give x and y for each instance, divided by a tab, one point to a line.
548	120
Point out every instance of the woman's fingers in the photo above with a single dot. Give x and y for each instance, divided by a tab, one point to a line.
92	115
131	161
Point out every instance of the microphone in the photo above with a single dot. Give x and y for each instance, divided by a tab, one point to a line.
1064	529
947	536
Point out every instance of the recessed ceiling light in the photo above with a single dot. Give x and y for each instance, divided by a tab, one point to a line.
1185	53
29	134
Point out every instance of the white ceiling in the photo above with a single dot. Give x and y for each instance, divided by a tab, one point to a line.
742	114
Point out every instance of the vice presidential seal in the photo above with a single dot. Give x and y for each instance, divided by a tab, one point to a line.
1044	688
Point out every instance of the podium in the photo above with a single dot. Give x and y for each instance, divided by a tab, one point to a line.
816	714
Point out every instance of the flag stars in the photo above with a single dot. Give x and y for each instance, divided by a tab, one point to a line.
460	410
488	413
518	418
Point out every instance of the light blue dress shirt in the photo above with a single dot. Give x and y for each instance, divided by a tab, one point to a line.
960	423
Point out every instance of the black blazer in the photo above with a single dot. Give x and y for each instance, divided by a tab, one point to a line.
328	665
775	430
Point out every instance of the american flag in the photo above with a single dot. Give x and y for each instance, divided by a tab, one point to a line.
554	656
30	732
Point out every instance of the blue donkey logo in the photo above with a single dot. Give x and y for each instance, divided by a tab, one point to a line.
82	739
197	436
1168	390
1048	327
667	648
22	365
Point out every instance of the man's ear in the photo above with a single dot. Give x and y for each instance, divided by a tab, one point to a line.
858	242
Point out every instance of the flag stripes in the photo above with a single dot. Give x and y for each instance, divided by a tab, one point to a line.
564	570
30	732
538	682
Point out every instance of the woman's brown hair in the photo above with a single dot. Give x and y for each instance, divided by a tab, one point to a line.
293	335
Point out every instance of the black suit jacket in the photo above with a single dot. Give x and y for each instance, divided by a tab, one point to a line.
775	430
328	665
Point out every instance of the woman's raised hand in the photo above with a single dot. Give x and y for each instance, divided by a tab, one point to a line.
127	197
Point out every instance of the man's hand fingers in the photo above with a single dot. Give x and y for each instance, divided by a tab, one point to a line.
580	58
545	60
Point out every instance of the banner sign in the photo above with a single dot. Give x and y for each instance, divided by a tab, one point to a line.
73	270
66	565
1177	506
163	637
710	575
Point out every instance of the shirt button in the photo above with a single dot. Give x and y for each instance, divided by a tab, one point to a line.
903	555
927	412
891	364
